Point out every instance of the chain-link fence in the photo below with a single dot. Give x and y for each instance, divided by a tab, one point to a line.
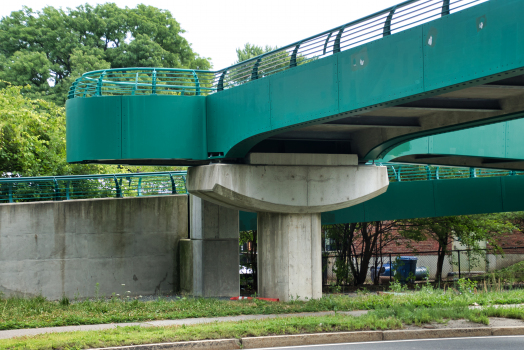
457	263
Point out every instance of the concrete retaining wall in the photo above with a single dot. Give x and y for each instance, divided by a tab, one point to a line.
66	248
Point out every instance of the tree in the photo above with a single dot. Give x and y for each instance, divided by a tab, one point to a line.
356	244
470	230
50	48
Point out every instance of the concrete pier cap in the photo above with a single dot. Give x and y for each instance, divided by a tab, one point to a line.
289	183
289	191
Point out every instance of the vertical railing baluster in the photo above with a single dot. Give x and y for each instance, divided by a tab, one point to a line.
139	187
387	24
220	86
197	84
118	188
173	184
326	43
67	190
293	60
254	72
135	86
336	45
153	84
445	8
99	84
10	193
56	196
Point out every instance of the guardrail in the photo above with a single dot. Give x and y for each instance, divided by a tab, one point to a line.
49	188
143	81
173	81
398	172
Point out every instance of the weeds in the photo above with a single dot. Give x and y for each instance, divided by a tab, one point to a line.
39	312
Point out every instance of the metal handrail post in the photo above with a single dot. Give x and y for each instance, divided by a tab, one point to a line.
153	83
173	184
118	188
56	195
445	8
10	193
99	84
197	84
387	24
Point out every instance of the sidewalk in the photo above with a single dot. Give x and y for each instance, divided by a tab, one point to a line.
162	323
451	329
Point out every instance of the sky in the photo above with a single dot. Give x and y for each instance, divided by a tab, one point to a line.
216	28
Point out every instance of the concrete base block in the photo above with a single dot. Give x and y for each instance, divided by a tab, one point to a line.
289	256
210	259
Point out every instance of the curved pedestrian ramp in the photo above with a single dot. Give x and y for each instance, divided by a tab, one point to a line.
420	68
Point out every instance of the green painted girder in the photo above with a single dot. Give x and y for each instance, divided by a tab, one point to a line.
433	198
440	56
496	146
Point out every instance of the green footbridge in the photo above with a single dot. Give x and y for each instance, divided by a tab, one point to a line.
414	191
391	84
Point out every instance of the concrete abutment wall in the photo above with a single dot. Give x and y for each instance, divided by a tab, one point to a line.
65	248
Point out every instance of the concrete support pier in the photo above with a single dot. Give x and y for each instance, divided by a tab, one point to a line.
289	191
210	258
290	257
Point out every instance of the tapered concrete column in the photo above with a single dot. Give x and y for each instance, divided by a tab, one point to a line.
210	258
289	191
289	256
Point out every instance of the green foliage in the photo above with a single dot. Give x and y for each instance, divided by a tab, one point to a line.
32	137
57	46
469	230
250	51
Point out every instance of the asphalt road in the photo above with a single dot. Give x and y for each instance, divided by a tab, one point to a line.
478	343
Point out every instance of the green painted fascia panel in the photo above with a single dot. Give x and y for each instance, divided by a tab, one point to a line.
514	147
513	193
392	204
407	200
236	114
417	146
380	71
93	128
460	51
468	196
352	214
163	127
304	93
247	221
500	140
482	141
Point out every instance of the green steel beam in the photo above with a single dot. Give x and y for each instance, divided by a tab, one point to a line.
434	198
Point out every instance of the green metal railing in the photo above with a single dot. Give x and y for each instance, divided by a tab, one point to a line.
143	81
409	172
172	81
49	188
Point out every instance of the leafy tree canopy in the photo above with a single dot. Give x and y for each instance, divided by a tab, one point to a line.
50	48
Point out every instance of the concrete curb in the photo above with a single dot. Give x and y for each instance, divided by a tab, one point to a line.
327	338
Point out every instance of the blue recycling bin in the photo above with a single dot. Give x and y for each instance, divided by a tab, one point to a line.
404	266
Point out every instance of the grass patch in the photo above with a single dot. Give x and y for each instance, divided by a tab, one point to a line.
136	335
380	319
16	313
